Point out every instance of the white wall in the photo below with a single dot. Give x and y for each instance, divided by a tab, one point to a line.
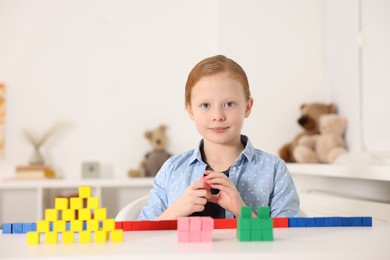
357	40
109	70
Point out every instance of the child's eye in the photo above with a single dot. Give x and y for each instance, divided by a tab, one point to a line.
229	104
205	105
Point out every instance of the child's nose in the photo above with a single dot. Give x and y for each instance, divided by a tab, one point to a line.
218	115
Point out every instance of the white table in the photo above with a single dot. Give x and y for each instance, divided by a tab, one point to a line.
289	243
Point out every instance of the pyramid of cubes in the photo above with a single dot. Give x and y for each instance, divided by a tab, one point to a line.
259	228
195	229
70	217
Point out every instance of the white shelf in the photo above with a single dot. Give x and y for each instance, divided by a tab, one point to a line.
343	188
364	172
26	200
64	183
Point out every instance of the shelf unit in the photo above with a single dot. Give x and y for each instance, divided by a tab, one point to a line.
26	200
329	189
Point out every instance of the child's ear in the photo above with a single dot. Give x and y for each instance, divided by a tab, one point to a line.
189	111
248	108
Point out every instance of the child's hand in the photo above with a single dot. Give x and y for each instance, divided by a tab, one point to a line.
228	197
193	200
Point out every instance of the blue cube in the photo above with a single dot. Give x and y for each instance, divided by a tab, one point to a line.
329	222
310	222
17	228
27	227
292	222
347	221
7	228
320	222
356	221
337	221
301	222
367	221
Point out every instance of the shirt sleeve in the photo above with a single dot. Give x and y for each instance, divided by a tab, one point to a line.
284	200
158	194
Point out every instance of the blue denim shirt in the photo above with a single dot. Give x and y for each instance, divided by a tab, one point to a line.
262	179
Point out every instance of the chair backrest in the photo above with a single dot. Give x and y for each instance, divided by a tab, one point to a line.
132	210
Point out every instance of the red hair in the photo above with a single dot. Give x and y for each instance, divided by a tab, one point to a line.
214	65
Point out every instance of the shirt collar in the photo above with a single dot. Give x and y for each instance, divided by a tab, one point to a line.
248	151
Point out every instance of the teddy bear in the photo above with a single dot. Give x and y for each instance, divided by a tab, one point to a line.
154	159
308	120
325	147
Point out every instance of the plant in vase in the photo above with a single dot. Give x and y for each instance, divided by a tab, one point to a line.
37	142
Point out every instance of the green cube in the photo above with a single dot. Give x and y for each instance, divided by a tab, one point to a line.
256	235
263	212
244	223
256	224
266	224
244	235
267	235
246	212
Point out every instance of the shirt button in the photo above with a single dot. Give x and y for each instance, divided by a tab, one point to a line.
234	168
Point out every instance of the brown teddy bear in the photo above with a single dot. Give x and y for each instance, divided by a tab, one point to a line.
308	120
325	147
153	160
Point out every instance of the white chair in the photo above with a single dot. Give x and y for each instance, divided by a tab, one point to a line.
132	210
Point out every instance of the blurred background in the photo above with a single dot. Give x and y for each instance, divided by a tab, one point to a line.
107	71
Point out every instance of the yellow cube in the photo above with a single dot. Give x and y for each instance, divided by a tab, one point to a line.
93	203
109	224
59	226
33	238
100	214
93	225
84	214
76	225
68	214
101	236
85	236
51	237
51	214
117	235
43	226
76	203
68	237
84	191
61	203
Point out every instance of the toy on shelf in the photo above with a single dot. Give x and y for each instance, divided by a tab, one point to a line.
325	147
308	120
154	159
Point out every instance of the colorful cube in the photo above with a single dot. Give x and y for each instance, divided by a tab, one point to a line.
51	237
61	203
68	237
101	236
117	235
84	192
93	203
195	229
255	229
76	203
33	238
85	236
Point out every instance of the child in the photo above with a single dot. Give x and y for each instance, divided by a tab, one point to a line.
225	172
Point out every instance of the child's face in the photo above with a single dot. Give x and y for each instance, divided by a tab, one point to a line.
218	108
